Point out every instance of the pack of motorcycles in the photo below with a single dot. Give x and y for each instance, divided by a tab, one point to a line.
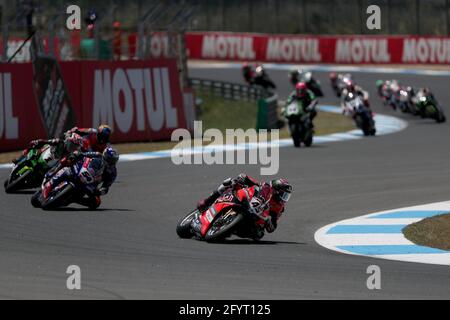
391	92
227	216
39	165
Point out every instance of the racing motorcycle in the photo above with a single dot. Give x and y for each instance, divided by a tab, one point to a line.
299	121
362	115
430	108
259	78
313	84
29	172
84	179
405	102
228	216
338	82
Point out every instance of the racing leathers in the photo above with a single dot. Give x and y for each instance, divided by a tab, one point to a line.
307	101
90	139
345	97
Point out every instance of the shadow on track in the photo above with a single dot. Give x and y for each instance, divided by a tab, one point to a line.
23	192
71	210
256	243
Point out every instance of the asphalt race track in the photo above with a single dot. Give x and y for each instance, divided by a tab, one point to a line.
129	249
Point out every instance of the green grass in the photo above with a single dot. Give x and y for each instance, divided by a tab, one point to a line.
226	114
432	232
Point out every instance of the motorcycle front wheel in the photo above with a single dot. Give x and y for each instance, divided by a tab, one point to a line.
59	200
223	226
19	183
184	226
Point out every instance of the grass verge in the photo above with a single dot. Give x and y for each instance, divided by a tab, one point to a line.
432	232
225	114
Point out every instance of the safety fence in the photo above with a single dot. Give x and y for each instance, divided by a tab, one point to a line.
227	90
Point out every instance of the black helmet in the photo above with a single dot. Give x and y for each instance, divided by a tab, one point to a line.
282	190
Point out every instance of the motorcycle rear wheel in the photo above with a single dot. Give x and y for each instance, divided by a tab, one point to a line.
184	226
223	226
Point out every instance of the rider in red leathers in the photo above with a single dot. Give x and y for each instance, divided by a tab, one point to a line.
267	200
96	140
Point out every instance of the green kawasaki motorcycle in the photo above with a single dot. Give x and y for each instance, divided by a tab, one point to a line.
429	108
300	124
29	172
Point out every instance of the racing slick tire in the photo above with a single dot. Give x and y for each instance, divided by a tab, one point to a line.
17	184
184	226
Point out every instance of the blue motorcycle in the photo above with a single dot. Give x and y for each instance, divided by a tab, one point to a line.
70	184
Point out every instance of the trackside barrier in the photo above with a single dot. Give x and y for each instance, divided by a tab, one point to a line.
227	90
268	113
140	100
345	49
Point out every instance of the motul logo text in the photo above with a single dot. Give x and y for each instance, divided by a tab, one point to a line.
141	96
9	125
228	47
299	50
426	50
362	50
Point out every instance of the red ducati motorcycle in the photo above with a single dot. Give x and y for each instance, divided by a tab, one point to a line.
226	217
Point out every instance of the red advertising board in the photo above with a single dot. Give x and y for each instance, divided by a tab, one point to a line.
140	100
319	49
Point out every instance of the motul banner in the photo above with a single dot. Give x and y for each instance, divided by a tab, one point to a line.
319	49
140	100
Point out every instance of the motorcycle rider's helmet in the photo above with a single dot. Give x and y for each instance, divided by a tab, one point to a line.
110	156
379	83
411	91
426	91
282	190
73	143
103	134
259	71
333	76
301	89
350	86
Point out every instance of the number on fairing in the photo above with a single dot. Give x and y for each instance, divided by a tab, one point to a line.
86	177
292	109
